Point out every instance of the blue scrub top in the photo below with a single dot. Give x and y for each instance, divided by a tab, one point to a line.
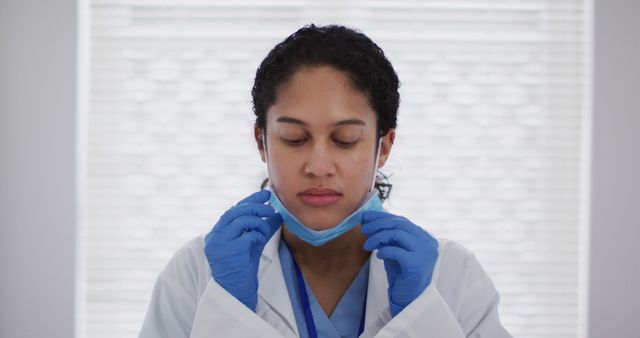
345	318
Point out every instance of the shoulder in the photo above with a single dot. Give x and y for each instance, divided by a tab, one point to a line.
456	263
453	256
459	276
176	292
188	267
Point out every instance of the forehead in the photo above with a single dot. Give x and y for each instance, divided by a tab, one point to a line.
321	97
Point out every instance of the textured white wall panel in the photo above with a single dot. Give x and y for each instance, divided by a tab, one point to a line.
488	148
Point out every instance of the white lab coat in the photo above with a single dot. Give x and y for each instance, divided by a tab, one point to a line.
186	302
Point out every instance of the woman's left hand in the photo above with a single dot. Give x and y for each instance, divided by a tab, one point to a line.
408	251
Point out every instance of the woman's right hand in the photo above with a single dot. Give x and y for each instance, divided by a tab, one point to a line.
234	245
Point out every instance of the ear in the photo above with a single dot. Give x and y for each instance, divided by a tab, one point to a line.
385	146
257	134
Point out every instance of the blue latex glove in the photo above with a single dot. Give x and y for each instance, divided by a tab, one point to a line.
409	255
234	245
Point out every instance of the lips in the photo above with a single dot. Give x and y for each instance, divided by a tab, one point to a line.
320	196
320	191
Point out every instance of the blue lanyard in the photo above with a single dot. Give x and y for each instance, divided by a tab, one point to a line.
308	317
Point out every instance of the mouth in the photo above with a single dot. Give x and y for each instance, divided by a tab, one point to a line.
320	196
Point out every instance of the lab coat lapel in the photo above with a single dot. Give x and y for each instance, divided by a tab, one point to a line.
378	313
272	289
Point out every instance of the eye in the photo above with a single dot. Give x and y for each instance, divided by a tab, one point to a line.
345	144
294	142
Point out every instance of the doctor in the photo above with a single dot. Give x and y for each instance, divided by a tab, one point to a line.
316	255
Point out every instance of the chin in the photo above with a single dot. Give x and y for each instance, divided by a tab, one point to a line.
320	225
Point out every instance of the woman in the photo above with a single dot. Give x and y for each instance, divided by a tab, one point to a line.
296	260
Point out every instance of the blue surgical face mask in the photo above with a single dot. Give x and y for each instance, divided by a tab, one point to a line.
320	237
371	202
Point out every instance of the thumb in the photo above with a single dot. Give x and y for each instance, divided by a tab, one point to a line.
274	223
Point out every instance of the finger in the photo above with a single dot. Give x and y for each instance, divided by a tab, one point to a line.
236	249
228	250
395	254
274	223
254	209
396	222
248	239
374	214
243	224
394	237
261	196
267	225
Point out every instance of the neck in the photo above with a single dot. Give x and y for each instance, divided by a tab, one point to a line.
344	252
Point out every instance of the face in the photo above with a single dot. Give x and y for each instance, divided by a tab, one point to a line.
320	144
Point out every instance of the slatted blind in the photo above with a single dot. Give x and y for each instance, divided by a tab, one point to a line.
487	152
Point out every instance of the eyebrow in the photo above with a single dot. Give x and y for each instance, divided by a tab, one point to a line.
285	119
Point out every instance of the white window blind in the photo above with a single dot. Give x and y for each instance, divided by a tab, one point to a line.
487	152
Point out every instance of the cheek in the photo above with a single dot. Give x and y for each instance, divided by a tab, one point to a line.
282	168
357	169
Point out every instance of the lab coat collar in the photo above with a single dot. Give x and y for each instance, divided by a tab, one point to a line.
273	290
378	312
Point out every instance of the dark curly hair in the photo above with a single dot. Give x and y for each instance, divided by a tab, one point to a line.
344	49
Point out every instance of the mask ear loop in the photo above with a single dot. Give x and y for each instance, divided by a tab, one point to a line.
375	165
266	155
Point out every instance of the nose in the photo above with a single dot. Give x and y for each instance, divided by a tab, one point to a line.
320	161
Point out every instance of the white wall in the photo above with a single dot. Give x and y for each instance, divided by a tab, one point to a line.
37	168
615	189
